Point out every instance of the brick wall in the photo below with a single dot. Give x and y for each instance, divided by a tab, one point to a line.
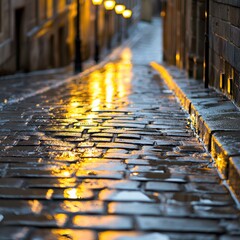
184	32
225	47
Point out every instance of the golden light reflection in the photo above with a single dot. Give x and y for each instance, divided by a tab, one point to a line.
60	219
193	120
126	55
75	193
67	156
36	206
66	182
49	193
67	234
74	108
114	235
86	221
165	75
81	206
221	161
72	193
74	104
101	90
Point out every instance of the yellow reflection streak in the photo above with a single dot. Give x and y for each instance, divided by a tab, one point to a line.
101	90
67	234
74	193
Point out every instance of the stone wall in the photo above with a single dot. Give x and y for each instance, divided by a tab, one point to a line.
46	32
30	36
184	43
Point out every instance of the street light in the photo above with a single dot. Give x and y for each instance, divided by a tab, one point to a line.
127	15
119	9
78	57
109	6
97	3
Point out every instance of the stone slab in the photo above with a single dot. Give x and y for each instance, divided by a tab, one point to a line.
215	119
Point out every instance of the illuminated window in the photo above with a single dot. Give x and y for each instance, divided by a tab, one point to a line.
49	8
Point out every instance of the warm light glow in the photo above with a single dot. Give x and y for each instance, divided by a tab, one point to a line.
97	2
49	193
109	4
60	219
66	156
127	13
72	193
84	107
165	75
177	57
221	162
71	234
126	56
36	206
74	104
119	9
229	86
221	82
119	235
163	14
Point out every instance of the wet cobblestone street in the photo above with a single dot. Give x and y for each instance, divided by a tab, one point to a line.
110	156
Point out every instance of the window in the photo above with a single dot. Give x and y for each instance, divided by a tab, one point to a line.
36	12
49	8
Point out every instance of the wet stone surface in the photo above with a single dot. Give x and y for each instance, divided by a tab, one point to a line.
107	157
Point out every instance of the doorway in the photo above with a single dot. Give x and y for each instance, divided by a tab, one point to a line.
19	37
51	52
61	46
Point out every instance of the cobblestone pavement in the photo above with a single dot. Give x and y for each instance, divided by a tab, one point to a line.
111	157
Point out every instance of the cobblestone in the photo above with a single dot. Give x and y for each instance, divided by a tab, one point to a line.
103	222
179	225
55	234
109	157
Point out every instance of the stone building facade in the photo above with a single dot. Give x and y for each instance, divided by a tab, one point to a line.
40	34
184	41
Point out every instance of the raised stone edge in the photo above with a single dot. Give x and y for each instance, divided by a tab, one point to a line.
226	164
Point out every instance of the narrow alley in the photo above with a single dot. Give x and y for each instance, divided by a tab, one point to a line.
110	156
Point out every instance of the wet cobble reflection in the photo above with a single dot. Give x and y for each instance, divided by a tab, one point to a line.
109	156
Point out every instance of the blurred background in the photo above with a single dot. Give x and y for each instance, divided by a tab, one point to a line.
41	34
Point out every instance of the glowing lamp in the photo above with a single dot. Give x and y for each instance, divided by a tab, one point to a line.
119	9
97	2
109	5
127	13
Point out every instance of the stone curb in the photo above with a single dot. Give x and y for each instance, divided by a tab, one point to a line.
214	117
